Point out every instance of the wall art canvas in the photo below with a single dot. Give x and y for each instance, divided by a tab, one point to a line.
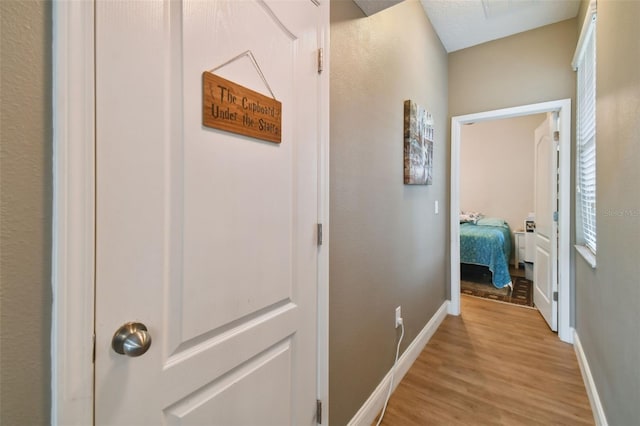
418	145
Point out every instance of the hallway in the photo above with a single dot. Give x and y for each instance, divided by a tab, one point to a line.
496	364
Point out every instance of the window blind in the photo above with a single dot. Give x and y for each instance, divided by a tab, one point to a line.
586	139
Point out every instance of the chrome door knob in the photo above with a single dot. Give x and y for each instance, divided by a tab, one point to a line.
132	339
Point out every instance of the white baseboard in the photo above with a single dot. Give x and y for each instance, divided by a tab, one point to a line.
596	406
372	406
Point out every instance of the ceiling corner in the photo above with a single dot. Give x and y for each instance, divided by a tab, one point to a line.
370	7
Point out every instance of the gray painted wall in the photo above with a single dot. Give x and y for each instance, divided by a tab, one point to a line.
526	68
387	246
608	297
25	212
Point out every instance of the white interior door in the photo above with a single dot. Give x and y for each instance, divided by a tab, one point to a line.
206	237
545	262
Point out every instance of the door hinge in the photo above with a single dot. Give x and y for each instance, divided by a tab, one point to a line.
318	411
556	136
320	60
93	355
555	216
319	234
555	296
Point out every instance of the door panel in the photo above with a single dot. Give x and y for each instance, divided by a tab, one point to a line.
545	263
249	183
206	237
260	382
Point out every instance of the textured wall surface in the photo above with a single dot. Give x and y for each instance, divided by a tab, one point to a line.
25	212
526	68
387	246
608	297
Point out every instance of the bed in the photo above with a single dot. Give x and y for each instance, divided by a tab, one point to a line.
487	242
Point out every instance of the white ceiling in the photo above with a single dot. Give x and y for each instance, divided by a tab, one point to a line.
466	23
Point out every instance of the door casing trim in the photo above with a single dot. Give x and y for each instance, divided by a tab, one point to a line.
73	239
563	107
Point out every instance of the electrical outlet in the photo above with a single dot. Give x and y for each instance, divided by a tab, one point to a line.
398	316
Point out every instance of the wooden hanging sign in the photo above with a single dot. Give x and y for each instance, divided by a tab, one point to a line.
231	107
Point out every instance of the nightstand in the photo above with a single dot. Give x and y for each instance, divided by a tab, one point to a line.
520	248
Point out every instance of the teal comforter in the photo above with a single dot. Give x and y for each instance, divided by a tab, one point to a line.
489	246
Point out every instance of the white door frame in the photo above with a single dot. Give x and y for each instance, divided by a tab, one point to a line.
563	107
73	247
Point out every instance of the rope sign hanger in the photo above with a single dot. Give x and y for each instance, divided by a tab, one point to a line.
249	54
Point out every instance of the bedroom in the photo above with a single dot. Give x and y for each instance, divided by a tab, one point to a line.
497	181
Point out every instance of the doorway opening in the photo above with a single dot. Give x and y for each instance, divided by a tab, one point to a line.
563	109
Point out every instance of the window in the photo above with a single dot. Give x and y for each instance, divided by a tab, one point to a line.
585	64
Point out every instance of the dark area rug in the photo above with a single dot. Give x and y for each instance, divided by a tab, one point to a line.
476	281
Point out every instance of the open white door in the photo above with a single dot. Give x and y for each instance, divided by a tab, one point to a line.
545	265
208	238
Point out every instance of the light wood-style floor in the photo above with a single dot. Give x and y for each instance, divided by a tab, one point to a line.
496	364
